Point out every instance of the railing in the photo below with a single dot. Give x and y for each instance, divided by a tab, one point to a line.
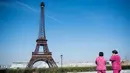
41	53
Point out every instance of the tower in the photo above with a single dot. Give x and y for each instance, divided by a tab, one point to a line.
46	55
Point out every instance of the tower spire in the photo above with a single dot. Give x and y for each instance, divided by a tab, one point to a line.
42	23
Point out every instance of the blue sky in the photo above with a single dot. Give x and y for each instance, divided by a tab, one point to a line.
78	29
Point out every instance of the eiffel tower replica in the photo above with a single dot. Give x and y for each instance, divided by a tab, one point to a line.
46	55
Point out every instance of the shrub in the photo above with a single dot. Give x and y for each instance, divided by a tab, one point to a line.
58	70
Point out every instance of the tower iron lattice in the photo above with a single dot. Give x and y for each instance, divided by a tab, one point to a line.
46	55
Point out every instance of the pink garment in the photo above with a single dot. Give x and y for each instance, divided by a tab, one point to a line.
101	71
116	71
101	63
116	62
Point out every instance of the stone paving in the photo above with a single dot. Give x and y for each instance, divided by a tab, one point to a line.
123	71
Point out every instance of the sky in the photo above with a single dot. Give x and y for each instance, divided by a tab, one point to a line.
78	29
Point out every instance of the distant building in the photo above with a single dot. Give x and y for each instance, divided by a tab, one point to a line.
18	65
79	64
3	66
125	62
108	62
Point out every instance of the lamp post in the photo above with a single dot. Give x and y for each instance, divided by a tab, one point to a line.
61	60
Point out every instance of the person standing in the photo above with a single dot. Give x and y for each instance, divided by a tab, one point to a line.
116	62
100	63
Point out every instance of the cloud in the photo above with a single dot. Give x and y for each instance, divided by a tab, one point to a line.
54	18
29	7
26	6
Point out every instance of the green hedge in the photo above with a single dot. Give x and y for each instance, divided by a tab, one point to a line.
58	70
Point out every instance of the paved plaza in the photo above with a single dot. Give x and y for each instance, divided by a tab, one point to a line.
123	71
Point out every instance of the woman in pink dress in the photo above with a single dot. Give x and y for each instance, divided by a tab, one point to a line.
101	63
116	62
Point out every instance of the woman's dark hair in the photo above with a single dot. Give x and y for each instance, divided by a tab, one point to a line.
114	52
101	54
